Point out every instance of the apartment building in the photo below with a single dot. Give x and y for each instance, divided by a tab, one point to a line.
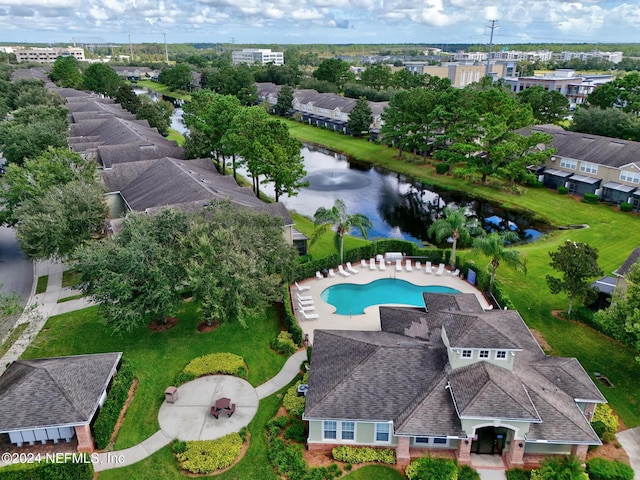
48	55
263	56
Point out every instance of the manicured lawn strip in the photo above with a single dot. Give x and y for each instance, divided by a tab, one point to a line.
70	278
68	299
176	136
13	336
156	357
162	89
41	285
254	464
374	472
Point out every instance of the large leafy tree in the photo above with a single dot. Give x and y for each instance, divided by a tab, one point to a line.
55	224
236	261
622	93
127	98
360	118
237	81
334	70
138	275
608	122
157	113
622	319
548	106
578	264
177	78
341	222
454	225
494	246
377	76
100	78
66	72
51	169
519	151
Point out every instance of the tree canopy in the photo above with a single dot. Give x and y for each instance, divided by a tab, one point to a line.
608	122
66	72
578	264
454	225
494	246
621	93
548	106
156	112
100	78
360	118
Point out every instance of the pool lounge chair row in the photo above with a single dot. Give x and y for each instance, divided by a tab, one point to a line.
305	304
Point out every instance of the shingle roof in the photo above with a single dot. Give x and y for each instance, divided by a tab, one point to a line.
569	375
633	257
475	331
54	391
483	390
612	152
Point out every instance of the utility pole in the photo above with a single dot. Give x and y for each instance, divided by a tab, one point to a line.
493	26
166	51
130	49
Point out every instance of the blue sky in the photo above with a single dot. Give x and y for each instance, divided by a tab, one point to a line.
435	22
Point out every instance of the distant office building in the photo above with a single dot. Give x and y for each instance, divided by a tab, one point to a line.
462	74
613	57
263	56
48	55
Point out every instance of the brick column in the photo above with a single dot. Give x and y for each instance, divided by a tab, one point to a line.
580	451
464	451
403	457
85	439
515	454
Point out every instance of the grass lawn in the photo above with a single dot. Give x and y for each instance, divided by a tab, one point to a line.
176	136
70	278
72	297
41	284
157	357
11	339
610	231
375	472
254	464
162	89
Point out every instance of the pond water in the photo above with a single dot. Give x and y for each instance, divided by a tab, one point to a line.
398	206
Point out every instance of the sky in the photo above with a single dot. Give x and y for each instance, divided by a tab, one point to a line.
436	22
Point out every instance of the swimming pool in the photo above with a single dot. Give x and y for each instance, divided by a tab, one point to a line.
352	299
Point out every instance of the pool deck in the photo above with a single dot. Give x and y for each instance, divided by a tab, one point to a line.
370	320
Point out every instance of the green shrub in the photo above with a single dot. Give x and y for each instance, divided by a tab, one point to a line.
442	168
206	456
213	364
537	475
591	198
427	468
626	207
292	402
604	414
107	418
79	469
364	454
284	344
600	428
178	446
563	190
518	474
601	469
290	321
465	472
296	431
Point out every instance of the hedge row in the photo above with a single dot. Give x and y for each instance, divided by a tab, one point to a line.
107	418
290	321
213	364
206	456
292	402
427	468
49	471
601	469
364	454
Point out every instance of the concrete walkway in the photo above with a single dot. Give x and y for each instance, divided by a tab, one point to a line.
630	441
189	417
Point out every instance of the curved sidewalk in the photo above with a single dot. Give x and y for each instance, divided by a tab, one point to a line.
195	400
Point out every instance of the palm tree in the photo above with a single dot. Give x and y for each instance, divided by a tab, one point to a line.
336	218
494	246
456	225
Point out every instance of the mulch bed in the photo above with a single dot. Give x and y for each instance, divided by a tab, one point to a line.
204	328
158	326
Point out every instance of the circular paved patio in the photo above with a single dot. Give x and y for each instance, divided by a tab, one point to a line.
190	419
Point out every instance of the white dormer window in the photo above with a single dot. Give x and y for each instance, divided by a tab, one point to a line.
467	354
483	354
501	355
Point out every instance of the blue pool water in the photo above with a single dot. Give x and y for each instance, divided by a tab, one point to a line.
352	299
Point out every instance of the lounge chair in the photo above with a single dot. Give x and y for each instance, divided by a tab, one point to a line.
398	265
456	272
440	270
302	288
372	264
363	263
382	265
332	273
407	265
350	268
428	268
379	258
319	276
309	316
342	271
418	265
304	297
306	307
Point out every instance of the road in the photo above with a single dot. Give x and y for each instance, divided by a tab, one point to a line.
16	273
